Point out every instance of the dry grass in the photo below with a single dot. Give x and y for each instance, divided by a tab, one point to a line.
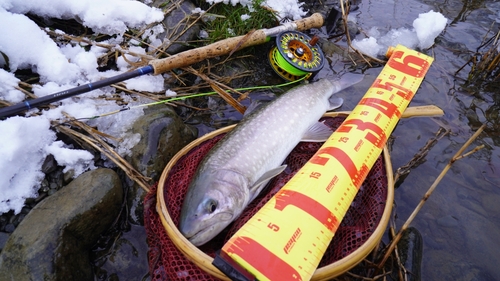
88	136
484	64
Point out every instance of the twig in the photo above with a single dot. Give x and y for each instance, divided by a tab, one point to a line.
401	270
237	47
107	150
145	94
29	94
347	35
457	156
217	86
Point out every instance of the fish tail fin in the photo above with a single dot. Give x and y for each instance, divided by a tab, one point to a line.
345	81
349	79
335	103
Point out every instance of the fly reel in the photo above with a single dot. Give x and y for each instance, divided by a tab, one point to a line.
296	55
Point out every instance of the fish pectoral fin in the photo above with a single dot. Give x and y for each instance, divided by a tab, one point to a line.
318	132
335	103
261	182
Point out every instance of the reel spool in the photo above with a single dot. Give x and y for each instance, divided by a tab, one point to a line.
296	55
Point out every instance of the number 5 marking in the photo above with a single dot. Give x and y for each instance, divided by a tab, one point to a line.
273	227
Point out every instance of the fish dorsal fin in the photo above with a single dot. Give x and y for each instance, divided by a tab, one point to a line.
254	106
335	103
261	182
318	132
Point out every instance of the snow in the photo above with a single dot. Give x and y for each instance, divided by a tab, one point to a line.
108	17
428	26
25	142
21	158
38	50
8	91
425	30
78	160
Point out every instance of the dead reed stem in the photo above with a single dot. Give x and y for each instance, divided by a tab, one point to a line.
348	36
459	155
217	86
95	140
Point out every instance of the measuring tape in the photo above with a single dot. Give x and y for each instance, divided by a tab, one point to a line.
296	55
287	237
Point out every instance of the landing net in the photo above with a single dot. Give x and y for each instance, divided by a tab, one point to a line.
166	262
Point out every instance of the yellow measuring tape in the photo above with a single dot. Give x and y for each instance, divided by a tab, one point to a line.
287	237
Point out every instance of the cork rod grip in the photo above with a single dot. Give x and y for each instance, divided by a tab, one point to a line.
225	46
314	21
218	48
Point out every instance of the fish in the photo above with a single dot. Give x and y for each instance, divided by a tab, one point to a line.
240	165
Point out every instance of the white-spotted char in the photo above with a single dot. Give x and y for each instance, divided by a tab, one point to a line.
234	172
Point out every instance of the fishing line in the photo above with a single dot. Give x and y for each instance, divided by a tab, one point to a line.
187	97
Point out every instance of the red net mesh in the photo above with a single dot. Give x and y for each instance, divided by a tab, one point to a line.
168	263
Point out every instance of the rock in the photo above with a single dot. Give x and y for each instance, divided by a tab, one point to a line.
52	241
9	228
3	239
446	265
410	249
126	258
174	23
352	28
49	164
471	200
163	134
68	176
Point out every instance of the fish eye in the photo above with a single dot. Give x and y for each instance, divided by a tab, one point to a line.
211	205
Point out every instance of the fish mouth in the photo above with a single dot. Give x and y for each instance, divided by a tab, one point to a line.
197	238
201	237
207	231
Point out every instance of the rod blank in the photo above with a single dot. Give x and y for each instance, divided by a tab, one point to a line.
29	104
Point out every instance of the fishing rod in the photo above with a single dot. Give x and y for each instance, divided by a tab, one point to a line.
179	60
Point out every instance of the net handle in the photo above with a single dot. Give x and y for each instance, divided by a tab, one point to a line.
415	111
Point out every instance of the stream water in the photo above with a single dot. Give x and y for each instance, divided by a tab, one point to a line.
460	222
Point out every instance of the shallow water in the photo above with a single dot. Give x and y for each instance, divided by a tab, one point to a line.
460	222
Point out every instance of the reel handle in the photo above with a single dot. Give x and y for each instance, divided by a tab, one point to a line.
225	46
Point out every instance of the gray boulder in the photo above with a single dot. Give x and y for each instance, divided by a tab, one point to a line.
175	23
52	242
163	134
